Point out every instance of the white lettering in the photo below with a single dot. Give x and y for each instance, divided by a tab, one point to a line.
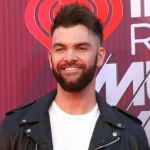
147	8
135	8
135	41
148	78
114	91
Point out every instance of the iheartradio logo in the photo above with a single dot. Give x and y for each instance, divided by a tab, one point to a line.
39	16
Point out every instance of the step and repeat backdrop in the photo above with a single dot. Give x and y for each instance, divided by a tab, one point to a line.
124	79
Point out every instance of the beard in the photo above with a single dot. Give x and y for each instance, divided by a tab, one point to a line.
81	81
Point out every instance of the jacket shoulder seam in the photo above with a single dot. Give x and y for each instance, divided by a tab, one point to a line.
128	115
18	108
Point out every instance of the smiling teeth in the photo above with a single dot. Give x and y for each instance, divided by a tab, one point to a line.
71	68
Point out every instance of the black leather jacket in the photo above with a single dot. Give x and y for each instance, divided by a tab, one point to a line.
28	128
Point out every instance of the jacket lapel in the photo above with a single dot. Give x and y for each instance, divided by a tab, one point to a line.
108	127
37	124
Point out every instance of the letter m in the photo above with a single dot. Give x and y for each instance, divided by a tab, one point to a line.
114	90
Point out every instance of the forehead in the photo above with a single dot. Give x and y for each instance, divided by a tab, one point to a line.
74	34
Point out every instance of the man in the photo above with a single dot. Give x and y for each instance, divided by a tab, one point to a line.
74	116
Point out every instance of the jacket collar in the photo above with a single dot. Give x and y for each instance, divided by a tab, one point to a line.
37	123
108	127
108	113
40	108
38	116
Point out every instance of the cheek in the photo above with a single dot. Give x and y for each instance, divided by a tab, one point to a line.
88	60
56	60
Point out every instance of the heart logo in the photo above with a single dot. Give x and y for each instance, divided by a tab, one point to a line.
39	16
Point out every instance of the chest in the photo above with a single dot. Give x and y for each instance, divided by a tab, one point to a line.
72	131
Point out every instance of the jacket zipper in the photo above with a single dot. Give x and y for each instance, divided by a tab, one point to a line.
110	143
36	146
36	143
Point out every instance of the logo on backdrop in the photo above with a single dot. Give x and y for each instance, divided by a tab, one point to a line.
39	16
137	75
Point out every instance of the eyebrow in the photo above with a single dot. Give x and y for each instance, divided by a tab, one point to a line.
58	44
76	45
83	44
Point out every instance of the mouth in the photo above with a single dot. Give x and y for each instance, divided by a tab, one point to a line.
71	69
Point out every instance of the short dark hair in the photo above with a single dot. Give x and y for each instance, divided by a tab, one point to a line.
74	14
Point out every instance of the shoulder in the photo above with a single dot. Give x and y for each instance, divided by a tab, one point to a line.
21	108
14	116
32	107
134	126
126	117
10	123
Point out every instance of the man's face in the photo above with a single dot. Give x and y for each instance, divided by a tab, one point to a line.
74	57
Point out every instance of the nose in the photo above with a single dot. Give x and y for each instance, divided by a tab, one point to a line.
70	56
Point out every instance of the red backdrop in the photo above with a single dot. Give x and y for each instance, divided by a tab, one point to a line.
24	41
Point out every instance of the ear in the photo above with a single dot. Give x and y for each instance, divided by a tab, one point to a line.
101	56
50	58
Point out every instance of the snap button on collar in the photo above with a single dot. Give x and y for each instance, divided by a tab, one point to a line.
28	130
24	120
119	125
114	134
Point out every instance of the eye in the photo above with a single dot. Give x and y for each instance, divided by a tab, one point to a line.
59	49
82	48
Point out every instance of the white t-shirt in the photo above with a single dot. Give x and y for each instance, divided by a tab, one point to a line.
72	132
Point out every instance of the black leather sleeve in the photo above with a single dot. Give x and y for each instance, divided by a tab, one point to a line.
4	138
144	145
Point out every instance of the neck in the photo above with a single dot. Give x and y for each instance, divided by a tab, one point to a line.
76	103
